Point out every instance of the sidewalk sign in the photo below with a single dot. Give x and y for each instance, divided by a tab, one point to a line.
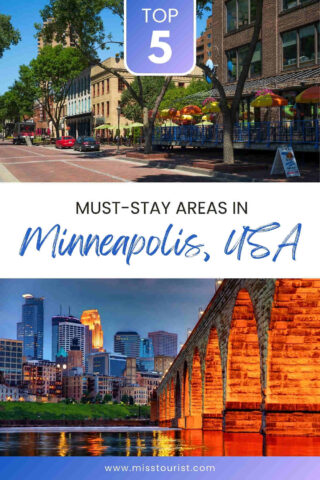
285	162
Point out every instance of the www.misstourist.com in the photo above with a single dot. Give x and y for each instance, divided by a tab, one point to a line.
159	468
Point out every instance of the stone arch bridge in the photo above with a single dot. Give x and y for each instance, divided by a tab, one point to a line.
251	364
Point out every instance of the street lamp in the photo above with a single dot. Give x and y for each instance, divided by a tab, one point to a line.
119	113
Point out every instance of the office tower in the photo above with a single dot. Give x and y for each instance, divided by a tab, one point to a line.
30	329
164	343
91	318
11	361
64	330
162	363
127	343
98	363
117	364
75	357
130	372
145	362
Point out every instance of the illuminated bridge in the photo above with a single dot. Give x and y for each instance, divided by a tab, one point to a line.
251	364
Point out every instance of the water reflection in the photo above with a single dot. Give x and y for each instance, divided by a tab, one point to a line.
162	443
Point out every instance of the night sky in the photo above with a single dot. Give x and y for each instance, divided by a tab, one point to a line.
141	305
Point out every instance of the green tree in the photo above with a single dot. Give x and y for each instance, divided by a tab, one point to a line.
51	73
107	398
151	87
176	97
8	35
125	399
228	108
87	32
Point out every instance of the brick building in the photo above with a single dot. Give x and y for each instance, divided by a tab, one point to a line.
204	43
287	57
42	378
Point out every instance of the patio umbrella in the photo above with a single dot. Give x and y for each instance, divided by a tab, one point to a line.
102	127
191	110
269	100
211	107
311	95
169	123
204	124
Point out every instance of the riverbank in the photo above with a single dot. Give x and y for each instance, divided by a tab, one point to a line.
24	414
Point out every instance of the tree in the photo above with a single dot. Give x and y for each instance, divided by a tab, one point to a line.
8	35
175	97
107	398
125	399
86	31
52	73
151	87
229	112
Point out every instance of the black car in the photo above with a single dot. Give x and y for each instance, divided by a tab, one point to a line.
86	144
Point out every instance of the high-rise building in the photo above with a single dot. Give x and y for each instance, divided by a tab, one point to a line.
98	363
64	330
11	361
30	329
162	363
91	318
145	362
164	343
75	357
117	364
127	343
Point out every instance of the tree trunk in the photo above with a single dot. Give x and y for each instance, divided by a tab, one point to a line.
228	151
147	128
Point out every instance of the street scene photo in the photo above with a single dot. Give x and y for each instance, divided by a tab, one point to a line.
71	111
189	368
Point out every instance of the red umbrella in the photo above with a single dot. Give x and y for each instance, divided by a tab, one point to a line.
191	110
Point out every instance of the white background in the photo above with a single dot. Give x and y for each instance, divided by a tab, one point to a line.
33	205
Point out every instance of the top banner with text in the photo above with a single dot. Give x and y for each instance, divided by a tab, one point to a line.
140	231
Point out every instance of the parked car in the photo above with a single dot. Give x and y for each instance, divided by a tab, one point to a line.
65	142
85	144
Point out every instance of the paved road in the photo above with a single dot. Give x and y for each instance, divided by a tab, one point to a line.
20	163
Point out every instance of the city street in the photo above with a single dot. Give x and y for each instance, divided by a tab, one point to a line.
20	163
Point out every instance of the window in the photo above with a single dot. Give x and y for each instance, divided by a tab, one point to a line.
235	61
102	108
98	89
240	13
299	47
108	109
108	85
307	44
181	84
102	87
287	4
121	85
289	47
94	90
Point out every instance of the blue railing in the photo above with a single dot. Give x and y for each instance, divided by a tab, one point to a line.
303	132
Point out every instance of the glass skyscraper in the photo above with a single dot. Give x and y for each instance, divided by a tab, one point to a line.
127	343
30	329
64	330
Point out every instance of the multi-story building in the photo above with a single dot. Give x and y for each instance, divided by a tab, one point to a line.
68	42
287	56
204	43
164	343
117	364
145	362
98	363
11	361
106	385
162	363
42	378
138	394
79	120
30	329
64	330
9	394
127	343
74	386
149	380
106	91
92	320
75	357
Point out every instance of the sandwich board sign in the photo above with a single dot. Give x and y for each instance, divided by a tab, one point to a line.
285	162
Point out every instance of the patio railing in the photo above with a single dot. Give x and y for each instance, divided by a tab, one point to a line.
303	132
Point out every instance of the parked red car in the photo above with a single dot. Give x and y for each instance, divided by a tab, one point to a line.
65	142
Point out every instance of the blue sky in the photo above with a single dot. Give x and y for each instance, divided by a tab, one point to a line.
141	305
24	15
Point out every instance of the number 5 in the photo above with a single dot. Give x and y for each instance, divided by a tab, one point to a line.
157	43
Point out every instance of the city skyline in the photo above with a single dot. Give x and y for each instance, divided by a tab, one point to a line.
122	304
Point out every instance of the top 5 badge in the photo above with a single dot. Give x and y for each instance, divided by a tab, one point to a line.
160	36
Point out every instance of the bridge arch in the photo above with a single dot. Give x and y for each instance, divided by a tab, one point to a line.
243	376
171	400
293	364
213	384
178	399
186	390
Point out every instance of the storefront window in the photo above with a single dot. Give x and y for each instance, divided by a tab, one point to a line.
289	46
232	65
307	44
231	15
243	13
